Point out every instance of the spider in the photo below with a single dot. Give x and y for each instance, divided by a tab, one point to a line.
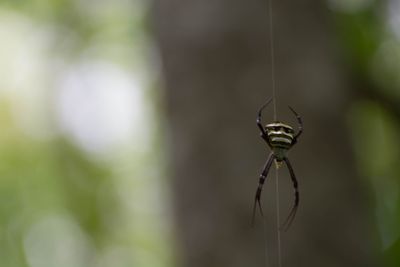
280	138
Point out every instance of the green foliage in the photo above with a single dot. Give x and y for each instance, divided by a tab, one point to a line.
360	34
377	143
60	203
372	52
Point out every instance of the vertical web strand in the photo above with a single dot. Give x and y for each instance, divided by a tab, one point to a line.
272	55
278	220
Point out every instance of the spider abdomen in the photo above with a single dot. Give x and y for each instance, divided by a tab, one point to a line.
280	135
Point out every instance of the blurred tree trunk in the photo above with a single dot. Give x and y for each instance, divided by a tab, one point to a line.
216	64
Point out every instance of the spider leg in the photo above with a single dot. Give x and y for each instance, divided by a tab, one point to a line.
262	178
293	211
263	134
300	122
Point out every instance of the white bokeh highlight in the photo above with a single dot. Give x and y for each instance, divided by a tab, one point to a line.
101	106
393	10
57	240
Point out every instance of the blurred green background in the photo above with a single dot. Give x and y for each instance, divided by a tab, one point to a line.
81	163
83	158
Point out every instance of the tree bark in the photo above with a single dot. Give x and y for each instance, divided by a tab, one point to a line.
216	65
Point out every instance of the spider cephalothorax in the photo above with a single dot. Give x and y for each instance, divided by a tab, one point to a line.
280	137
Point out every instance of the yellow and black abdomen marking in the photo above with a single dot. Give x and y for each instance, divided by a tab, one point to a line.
280	135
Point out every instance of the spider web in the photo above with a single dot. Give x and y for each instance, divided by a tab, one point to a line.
273	81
